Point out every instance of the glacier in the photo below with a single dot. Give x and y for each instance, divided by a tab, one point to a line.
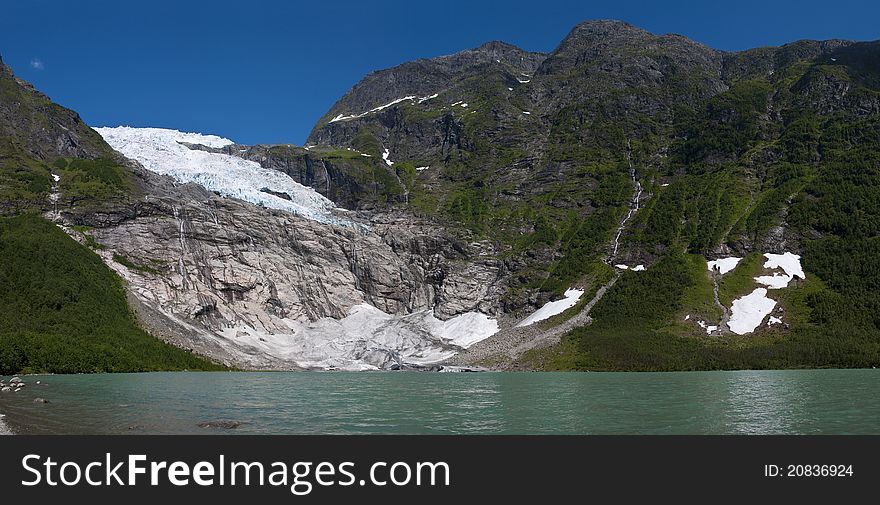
368	339
161	151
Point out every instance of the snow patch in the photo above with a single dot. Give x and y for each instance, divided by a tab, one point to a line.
550	309
749	311
789	263
637	268
773	320
774	281
419	169
343	117
160	150
385	158
708	327
724	264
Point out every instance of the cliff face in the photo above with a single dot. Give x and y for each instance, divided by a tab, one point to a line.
199	265
424	77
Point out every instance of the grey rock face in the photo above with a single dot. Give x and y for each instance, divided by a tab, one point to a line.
424	77
205	263
609	56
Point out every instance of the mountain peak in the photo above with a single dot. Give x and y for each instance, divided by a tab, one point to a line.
605	24
592	36
495	45
604	28
610	41
494	50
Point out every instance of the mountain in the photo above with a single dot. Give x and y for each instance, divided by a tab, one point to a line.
628	201
61	308
623	147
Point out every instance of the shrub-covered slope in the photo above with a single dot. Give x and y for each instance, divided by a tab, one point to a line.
63	311
766	150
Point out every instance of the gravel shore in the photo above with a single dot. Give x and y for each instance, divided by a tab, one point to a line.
4	428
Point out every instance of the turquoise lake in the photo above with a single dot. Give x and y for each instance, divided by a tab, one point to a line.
740	402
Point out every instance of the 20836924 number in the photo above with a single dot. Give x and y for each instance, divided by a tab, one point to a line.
819	470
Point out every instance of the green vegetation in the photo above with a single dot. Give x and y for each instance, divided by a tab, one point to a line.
698	298
696	212
596	275
632	331
90	180
727	126
24	182
741	280
821	180
63	311
581	241
468	207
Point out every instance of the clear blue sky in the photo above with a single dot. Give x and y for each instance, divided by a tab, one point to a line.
264	72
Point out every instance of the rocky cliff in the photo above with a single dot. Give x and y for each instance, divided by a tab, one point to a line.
198	265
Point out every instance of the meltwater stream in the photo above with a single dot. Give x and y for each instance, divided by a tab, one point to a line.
742	402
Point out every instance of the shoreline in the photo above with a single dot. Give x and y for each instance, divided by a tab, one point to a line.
5	424
4	428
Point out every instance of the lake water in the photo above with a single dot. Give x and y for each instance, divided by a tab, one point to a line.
743	402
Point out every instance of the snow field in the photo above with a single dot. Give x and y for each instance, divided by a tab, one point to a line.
550	309
160	150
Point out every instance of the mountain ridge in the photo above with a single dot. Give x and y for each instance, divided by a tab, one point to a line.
495	180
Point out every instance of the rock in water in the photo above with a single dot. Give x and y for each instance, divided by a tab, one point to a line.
222	425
